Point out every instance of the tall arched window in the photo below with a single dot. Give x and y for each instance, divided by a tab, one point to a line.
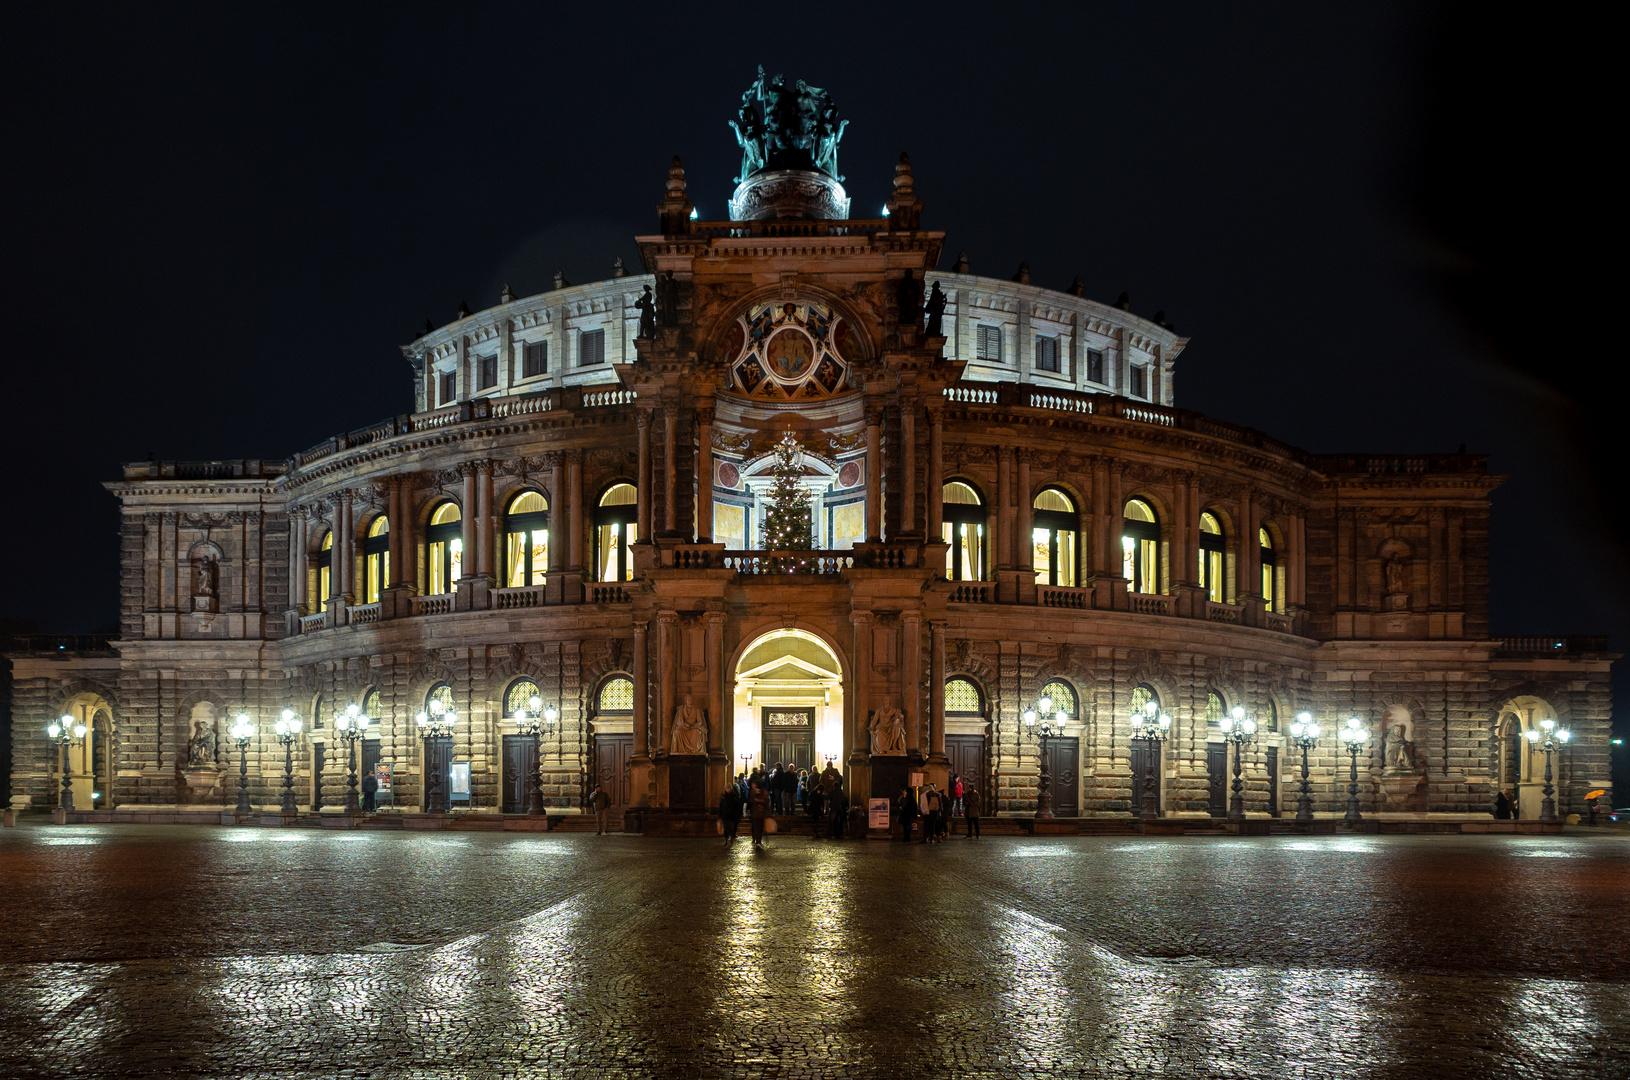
1142	694
316	720
964	530
440	692
445	540
1216	709
1270	715
962	698
1211	557
373	706
526	540
1054	535
325	569
1062	696
1270	570
614	529
519	696
376	559
616	697
1140	547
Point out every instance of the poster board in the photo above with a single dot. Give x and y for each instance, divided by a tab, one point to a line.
459	781
916	779
877	813
382	773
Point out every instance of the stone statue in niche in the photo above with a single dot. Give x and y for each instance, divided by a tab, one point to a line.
1397	573
647	309
203	577
888	728
1398	754
201	748
690	730
936	312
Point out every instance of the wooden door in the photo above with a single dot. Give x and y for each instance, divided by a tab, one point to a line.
520	759
789	737
612	756
438	763
1217	779
318	751
967	756
1064	768
1273	780
1142	751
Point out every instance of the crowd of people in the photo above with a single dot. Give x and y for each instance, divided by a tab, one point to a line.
786	790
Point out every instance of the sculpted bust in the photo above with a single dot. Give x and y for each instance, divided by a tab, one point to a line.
690	730
888	729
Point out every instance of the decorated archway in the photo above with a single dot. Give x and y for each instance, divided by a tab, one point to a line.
788	704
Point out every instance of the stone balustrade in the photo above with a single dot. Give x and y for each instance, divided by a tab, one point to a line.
526	596
363	614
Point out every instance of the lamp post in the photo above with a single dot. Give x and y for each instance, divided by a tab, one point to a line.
435	726
242	733
1356	734
1050	724
535	723
288	730
1549	741
67	733
1238	731
1304	733
1152	726
352	725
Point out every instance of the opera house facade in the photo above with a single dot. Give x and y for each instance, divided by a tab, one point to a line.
554	572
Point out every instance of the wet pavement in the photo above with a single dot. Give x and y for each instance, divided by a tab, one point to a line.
195	951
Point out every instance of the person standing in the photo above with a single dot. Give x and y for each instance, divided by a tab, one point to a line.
931	806
370	790
601	801
814	802
908	813
1502	807
730	813
837	805
970	810
956	790
759	801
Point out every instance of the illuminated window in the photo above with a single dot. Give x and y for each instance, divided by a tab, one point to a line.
1141	696
614	528
962	698
1211	557
445	540
1063	697
373	706
376	559
848	524
1054	537
526	540
1270	715
325	569
317	711
616	696
440	692
964	530
1270	570
1140	547
1215	709
730	525
519	696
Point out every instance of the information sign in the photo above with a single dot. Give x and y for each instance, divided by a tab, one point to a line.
877	813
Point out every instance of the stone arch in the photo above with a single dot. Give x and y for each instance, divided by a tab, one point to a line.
864	333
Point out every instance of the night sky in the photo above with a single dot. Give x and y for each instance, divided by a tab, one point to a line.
1376	224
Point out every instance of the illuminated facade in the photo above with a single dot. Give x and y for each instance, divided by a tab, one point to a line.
1004	503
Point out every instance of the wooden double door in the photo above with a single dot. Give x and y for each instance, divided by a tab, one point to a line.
966	754
520	761
1064	775
1145	755
612	757
789	737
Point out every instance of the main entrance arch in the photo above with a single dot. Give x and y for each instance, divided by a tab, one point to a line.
788	703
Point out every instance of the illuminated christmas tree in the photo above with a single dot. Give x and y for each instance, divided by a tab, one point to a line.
786	519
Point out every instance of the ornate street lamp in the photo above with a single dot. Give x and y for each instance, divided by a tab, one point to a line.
352	725
535	724
437	725
68	734
1551	739
1304	733
1238	731
288	730
1051	724
1153	726
1356	734
242	733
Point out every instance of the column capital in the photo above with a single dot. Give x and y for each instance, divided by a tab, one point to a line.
704	413
874	414
467	469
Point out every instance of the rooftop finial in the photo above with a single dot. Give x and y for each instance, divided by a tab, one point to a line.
675	211
962	265
905	209
617	268
1023	276
560	279
506	295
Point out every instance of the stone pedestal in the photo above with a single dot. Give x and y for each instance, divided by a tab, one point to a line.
687	782
203	783
642	782
1403	791
889	775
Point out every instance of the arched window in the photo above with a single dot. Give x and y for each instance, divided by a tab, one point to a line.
440	692
519	696
325	569
962	698
526	540
964	530
1270	715
316	712
376	559
616	696
1140	547
445	540
614	529
1270	570
1142	694
1211	557
1216	709
1053	533
1062	696
372	705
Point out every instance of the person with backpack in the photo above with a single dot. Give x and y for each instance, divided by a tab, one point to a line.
932	803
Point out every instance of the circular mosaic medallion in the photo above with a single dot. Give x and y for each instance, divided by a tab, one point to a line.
790	353
729	475
849	474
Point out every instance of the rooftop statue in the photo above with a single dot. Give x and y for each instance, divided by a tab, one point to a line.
787	127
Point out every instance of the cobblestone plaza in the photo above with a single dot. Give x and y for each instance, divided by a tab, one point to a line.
300	952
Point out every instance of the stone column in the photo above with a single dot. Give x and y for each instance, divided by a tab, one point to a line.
642	481
469	514
704	475
720	732
297	559
874	474
668	658
936	473
911	629
1114	520
560	518
344	550
936	691
861	740
1247	578
1100	515
1021	534
1191	549
574	496
670	467
484	520
642	692
1004	508
908	467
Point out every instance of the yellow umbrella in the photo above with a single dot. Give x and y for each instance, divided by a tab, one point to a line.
1597	794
